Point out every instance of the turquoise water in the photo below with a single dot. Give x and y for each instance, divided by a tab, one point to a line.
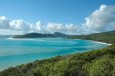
14	52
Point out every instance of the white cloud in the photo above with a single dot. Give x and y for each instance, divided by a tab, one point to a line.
101	19
38	27
52	27
19	25
4	23
74	29
67	28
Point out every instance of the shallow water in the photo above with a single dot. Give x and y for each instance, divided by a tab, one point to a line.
19	51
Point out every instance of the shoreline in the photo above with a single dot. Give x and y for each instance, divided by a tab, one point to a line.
95	41
11	38
101	42
73	39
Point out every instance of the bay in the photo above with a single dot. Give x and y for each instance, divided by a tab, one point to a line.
14	52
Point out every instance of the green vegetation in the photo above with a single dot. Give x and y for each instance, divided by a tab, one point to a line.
40	35
93	63
108	37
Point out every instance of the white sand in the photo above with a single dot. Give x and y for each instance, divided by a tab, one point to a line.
95	41
100	42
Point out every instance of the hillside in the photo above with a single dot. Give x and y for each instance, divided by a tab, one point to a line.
108	37
40	35
93	63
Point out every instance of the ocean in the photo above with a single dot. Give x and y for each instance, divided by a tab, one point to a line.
15	52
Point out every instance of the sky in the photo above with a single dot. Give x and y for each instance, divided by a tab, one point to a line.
49	16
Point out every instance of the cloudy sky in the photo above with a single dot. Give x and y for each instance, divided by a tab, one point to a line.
49	16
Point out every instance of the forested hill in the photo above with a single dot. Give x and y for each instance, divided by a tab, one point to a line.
108	37
40	35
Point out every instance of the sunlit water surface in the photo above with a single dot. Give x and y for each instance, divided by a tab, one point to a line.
14	52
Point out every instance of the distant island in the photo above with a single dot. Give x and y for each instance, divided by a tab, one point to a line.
93	63
107	37
40	35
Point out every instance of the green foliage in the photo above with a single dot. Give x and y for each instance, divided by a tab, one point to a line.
108	37
101	68
40	35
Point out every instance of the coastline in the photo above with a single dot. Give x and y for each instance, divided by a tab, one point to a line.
73	39
101	42
95	41
11	38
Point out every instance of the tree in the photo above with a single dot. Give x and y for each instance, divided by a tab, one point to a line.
101	68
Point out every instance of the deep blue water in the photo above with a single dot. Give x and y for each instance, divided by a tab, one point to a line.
14	52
